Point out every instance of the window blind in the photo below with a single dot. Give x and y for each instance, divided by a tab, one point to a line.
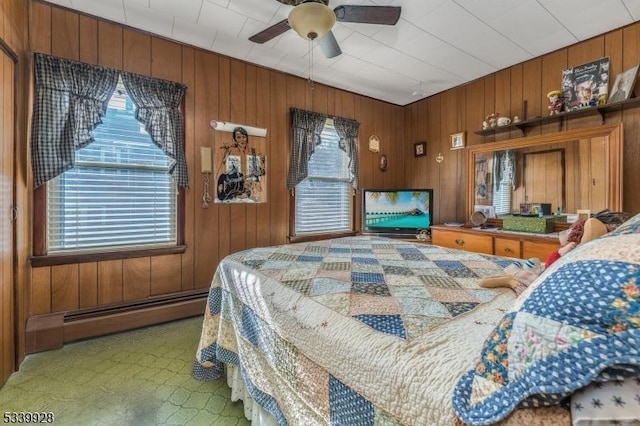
119	194
323	199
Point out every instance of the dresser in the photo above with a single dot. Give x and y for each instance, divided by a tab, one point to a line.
503	243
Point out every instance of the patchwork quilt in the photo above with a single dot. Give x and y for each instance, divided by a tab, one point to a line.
578	324
351	331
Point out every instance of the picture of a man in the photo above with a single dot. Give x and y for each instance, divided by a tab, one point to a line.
584	89
623	85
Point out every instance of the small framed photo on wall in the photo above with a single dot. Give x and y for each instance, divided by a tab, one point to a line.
420	149
457	140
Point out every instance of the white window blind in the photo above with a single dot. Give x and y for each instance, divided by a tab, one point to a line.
119	194
323	199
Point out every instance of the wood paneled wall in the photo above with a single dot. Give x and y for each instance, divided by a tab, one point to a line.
221	88
519	90
227	89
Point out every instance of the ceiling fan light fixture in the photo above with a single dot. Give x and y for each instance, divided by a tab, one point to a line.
311	20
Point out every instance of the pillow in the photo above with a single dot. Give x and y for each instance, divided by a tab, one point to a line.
578	323
611	403
631	226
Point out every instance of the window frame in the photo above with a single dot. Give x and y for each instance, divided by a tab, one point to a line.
40	256
316	236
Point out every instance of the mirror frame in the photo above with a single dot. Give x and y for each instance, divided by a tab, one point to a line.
614	133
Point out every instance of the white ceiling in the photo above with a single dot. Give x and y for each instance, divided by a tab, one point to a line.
436	44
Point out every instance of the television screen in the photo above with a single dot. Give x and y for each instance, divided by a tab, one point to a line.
396	211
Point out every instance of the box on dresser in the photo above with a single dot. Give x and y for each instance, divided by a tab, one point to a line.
535	224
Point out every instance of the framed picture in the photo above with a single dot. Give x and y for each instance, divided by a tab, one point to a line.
525	208
457	140
583	214
488	211
535	209
585	85
623	85
419	149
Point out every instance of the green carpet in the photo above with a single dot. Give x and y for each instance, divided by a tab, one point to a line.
141	377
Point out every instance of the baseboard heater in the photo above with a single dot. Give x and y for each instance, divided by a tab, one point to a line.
52	331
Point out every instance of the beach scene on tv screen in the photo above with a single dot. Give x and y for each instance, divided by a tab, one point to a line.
399	209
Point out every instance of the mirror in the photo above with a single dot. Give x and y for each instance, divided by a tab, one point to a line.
573	170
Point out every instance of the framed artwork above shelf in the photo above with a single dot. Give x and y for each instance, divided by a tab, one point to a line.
524	124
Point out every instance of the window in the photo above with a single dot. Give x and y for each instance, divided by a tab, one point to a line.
119	194
323	202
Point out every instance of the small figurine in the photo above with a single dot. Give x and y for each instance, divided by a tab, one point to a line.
555	102
492	119
516	119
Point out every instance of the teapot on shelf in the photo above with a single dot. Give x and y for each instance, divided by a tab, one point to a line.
504	121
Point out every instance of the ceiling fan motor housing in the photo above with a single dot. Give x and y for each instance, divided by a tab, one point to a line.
312	20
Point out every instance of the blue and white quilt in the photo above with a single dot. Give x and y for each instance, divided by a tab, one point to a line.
351	331
578	323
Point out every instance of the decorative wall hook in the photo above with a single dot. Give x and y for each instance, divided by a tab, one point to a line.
440	158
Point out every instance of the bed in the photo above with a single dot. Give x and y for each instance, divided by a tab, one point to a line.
369	330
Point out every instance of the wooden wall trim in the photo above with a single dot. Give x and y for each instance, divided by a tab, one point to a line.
123	321
52	331
44	332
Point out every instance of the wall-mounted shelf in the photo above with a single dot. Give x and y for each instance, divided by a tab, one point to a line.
524	124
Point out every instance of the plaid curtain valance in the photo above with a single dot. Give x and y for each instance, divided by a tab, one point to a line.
306	127
348	131
158	108
70	100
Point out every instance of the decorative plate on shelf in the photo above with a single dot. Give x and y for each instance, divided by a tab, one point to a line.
478	218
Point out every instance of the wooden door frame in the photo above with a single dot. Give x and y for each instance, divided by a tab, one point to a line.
13	363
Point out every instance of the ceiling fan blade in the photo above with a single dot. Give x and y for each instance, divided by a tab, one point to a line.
269	33
329	45
385	15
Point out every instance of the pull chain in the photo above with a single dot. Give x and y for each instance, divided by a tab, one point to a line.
311	62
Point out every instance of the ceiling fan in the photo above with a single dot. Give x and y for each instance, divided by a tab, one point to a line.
313	19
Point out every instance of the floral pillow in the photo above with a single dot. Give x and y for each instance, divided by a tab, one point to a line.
579	323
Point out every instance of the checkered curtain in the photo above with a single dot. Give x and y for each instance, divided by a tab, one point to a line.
504	168
158	108
504	180
306	127
70	100
348	131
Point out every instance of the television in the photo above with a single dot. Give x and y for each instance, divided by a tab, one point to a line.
397	212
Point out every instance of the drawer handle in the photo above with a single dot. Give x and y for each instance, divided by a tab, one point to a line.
459	241
508	250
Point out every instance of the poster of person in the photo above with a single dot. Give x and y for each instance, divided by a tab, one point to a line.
586	85
242	177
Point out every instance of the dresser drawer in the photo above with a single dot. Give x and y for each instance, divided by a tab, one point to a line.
541	250
507	247
463	241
